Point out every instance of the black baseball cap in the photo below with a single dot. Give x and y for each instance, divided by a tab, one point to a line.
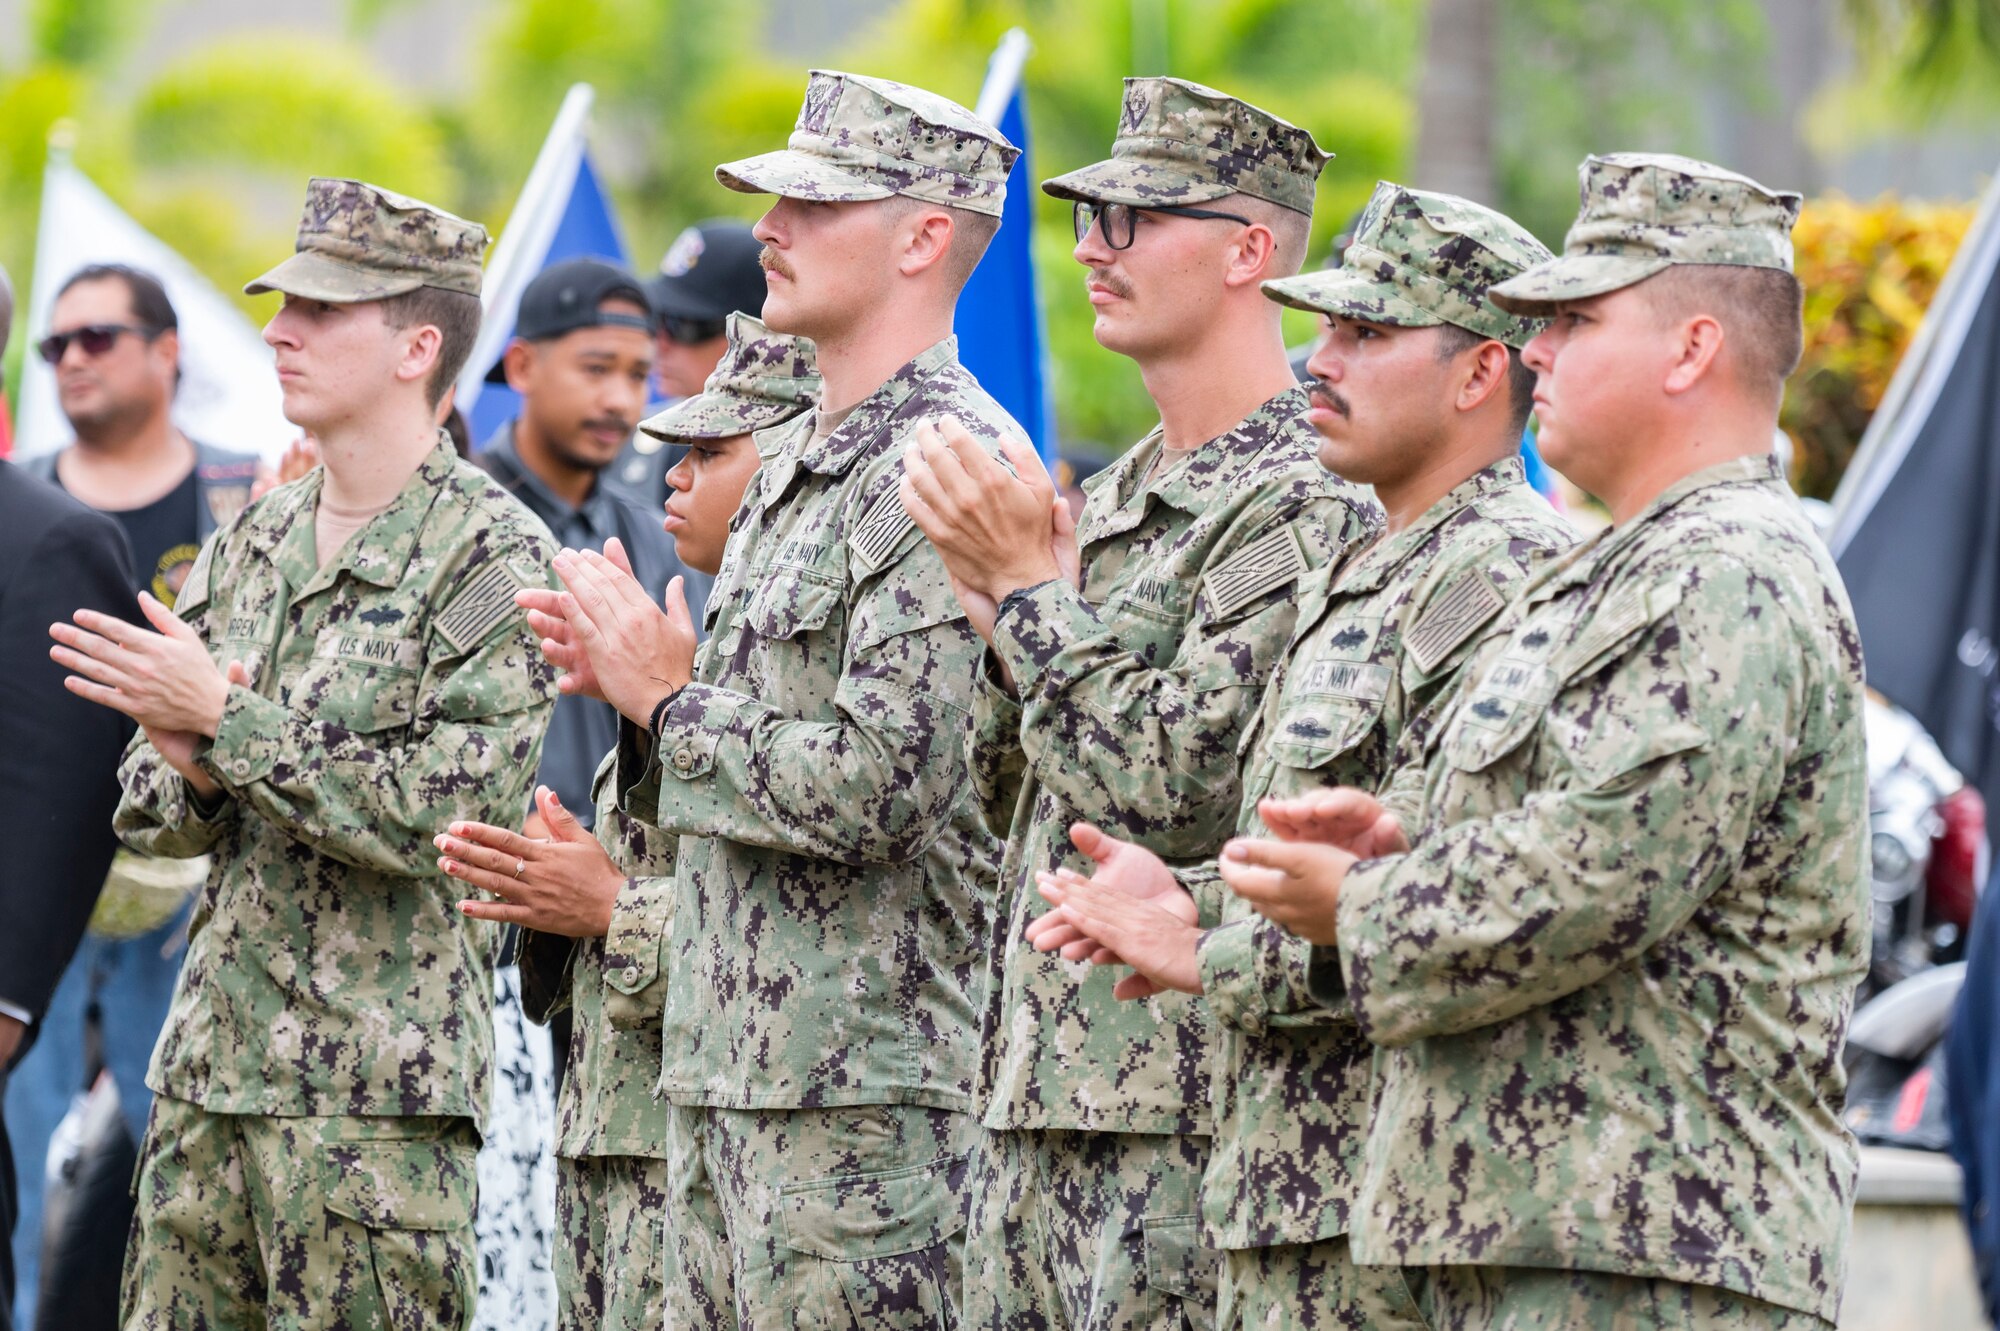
569	295
709	272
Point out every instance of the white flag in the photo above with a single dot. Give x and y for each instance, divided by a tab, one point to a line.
229	389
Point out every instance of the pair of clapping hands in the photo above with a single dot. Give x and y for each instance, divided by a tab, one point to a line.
614	644
1131	911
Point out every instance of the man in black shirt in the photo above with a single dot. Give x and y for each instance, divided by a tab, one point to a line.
113	342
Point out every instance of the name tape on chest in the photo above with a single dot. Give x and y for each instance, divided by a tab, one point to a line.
1266	564
369	649
881	530
480	606
1364	680
1453	618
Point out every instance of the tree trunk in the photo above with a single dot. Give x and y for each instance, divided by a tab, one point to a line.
1455	109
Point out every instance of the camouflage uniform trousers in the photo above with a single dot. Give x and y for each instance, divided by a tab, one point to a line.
359	1223
1088	1231
831	1219
1311	1287
1521	1298
610	1210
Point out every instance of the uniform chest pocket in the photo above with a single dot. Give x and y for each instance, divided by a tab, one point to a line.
361	683
791	603
1505	705
1149	614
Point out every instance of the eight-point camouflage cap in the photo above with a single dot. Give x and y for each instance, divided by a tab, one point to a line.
763	379
862	138
1419	259
359	242
1180	143
1643	212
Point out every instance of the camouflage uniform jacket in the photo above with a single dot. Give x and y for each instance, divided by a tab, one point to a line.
1614	973
607	1103
1132	695
393	690
1370	666
835	885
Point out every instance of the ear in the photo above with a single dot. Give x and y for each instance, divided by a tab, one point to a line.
421	346
1694	357
518	362
927	239
1250	256
167	346
1486	375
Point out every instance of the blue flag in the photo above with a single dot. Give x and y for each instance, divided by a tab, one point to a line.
1001	338
563	213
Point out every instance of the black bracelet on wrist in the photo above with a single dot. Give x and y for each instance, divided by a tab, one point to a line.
1019	594
660	712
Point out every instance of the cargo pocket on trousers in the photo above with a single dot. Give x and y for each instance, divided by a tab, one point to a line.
1180	1265
415	1199
884	1238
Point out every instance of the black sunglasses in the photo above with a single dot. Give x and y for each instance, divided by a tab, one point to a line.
95	339
691	332
1120	220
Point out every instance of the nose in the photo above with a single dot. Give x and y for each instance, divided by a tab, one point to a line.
1091	251
681	475
1326	364
1539	354
766	228
277	333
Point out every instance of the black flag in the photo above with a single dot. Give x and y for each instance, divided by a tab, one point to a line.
1917	519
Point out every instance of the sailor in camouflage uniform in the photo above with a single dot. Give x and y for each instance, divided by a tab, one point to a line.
835	886
1122	700
1612	971
325	1068
595	915
1420	394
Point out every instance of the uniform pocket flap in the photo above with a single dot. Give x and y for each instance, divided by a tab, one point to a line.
790	604
1177	1261
401	1185
858	1216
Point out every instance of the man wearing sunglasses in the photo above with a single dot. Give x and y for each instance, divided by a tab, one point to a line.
1121	700
114	348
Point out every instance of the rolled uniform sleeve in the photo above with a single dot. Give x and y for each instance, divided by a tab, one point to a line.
634	947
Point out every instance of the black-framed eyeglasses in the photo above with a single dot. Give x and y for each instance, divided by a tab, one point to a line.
691	332
1121	220
95	339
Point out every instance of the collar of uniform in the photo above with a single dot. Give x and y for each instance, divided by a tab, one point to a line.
1212	469
519	479
837	452
1584	561
1376	564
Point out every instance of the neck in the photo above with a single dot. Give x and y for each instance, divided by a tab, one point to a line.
368	462
572	484
148	443
853	364
1409	497
1705	440
1206	389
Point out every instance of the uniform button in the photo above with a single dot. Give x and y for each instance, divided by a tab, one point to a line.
241	767
631	975
683	759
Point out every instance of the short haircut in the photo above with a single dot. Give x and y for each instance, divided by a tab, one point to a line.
456	317
971	233
1453	338
1761	310
143	292
1290	230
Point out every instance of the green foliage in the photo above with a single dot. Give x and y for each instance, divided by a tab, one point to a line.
77	33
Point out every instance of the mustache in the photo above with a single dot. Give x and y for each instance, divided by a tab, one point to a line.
770	259
1111	282
618	423
1325	395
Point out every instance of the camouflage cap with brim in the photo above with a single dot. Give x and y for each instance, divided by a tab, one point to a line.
763	379
1181	144
1645	212
358	242
860	138
1419	259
